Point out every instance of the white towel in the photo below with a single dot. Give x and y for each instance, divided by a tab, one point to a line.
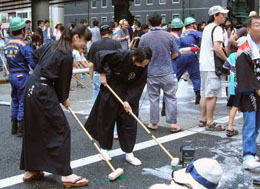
255	52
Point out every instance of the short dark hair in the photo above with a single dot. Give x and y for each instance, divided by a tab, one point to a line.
64	43
155	19
106	28
18	32
249	20
39	22
62	28
138	23
229	26
95	23
28	21
46	21
142	53
82	21
144	26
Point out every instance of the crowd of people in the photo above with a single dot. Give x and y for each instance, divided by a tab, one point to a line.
127	58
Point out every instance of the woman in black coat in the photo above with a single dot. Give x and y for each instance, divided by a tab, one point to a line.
47	140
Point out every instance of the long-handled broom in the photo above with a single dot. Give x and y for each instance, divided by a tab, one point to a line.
175	161
117	173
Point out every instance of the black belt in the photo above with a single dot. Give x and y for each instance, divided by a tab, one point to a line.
20	72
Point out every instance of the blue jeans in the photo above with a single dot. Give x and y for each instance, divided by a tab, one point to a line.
18	82
96	85
96	89
3	57
250	133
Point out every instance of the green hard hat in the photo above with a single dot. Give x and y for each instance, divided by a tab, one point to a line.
189	20
177	23
17	23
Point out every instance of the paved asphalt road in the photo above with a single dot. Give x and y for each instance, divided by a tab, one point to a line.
155	166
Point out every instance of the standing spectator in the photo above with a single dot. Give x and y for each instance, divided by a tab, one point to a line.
248	86
19	57
47	33
123	35
95	31
160	72
2	45
106	43
77	62
28	25
240	33
39	29
228	35
85	23
136	35
144	28
57	32
201	26
210	82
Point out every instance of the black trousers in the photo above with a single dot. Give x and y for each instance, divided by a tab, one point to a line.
107	111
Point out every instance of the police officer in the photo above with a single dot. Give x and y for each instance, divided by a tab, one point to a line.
192	38
19	57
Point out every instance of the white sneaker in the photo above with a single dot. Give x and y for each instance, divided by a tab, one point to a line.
250	164
105	153
130	158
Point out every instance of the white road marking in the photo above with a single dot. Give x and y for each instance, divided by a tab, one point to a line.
96	158
5	103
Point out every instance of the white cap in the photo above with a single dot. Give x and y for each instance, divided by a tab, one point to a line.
217	9
252	13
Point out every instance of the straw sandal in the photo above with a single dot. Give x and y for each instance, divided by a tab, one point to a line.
36	176
75	183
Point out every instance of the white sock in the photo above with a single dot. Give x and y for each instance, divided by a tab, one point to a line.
132	159
105	153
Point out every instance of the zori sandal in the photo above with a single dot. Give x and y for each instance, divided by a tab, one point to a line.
75	183
36	176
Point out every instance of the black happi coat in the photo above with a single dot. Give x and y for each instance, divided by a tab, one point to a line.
248	79
46	142
128	81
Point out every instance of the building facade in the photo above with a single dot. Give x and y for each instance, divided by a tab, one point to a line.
102	10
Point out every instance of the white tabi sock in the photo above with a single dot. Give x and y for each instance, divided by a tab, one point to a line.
130	158
105	153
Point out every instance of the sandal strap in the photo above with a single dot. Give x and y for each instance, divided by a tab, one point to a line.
77	180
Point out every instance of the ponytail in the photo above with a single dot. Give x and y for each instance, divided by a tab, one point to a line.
64	43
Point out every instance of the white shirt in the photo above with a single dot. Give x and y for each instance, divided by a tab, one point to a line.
57	34
76	55
206	50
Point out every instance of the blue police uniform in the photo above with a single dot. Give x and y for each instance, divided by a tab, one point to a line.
190	38
177	37
180	64
19	57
